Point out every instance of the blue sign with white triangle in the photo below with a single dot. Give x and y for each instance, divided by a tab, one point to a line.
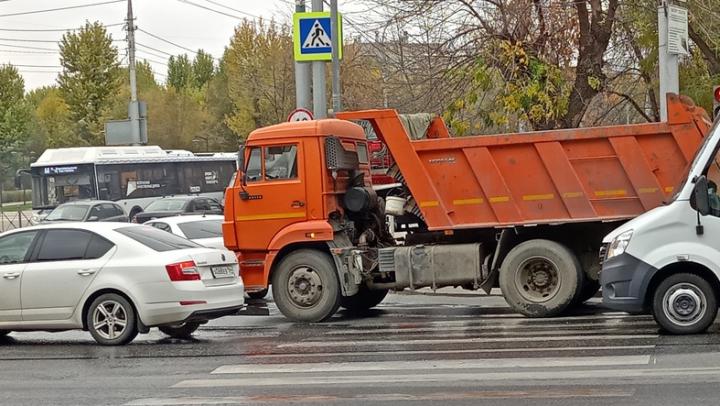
312	36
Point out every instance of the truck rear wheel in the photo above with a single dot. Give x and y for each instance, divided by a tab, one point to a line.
684	303
364	300
305	286
541	278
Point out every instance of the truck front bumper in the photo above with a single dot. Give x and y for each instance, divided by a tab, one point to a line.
625	280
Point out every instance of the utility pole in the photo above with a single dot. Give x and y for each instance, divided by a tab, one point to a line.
318	77
303	77
668	63
335	36
134	108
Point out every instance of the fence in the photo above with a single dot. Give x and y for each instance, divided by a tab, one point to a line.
10	220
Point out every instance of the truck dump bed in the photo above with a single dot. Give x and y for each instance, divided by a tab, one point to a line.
557	176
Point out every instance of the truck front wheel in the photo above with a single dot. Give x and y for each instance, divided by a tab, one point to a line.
684	303
364	300
305	286
541	278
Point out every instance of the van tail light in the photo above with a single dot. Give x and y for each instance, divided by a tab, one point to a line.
183	271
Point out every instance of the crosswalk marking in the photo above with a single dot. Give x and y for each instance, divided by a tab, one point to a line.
554	362
355	343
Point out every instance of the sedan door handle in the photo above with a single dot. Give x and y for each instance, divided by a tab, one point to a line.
86	272
11	275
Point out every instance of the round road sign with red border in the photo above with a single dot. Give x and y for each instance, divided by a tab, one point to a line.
300	115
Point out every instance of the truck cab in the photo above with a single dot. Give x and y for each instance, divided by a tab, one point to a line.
667	261
289	214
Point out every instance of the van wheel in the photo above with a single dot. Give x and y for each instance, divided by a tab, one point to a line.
111	320
684	303
260	294
305	286
184	330
541	278
364	300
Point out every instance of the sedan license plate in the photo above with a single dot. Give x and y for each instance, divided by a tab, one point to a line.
223	271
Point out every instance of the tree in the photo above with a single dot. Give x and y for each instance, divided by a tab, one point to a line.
203	68
259	68
14	119
180	72
89	79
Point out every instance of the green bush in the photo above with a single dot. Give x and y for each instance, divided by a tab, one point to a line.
12	196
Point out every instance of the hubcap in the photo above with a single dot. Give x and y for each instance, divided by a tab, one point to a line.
304	286
537	279
109	319
684	304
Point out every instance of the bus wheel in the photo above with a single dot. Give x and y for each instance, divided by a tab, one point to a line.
305	286
364	300
684	303
540	278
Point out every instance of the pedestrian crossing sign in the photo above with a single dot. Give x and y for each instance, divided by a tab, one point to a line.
312	39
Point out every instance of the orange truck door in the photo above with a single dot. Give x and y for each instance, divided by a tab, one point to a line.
273	195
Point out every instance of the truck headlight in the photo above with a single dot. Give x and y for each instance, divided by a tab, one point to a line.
619	244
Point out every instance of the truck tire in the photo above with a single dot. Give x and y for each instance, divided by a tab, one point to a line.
182	330
260	294
364	300
540	278
684	303
589	288
305	286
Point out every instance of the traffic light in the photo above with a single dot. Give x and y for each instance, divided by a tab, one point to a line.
716	102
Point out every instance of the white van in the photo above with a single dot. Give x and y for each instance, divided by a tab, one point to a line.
667	261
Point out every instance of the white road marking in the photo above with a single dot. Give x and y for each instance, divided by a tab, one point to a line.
441	352
324	344
427	365
449	378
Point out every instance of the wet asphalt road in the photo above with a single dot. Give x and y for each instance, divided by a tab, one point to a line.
414	349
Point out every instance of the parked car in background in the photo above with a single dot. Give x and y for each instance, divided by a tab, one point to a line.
178	205
87	210
114	280
205	230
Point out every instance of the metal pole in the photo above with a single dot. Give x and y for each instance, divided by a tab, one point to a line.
318	78
668	63
336	43
303	75
134	110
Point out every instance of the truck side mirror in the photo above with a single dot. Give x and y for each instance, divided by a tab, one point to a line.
241	165
699	199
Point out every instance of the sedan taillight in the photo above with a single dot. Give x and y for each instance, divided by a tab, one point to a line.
183	271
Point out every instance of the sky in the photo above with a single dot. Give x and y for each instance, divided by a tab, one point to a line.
179	21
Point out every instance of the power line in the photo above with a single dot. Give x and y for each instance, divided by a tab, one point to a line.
37	66
210	9
47	41
28	47
169	42
150	53
62	8
153	49
8	51
55	29
232	9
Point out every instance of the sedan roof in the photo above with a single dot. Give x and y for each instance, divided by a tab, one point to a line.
92	226
186	219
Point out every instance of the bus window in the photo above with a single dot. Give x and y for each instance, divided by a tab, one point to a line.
56	185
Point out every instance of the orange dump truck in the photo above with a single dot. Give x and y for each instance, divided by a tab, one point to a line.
527	211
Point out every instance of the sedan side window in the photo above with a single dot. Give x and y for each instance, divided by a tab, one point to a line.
14	247
161	226
64	245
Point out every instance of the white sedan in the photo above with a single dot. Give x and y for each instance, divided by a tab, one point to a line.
205	230
113	279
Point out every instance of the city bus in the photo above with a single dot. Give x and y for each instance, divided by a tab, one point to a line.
133	176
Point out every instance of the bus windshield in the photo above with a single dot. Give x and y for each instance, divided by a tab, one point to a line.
54	185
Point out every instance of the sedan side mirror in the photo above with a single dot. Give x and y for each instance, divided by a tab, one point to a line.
699	199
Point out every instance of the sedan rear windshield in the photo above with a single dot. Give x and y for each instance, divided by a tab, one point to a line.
155	239
166	205
202	229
